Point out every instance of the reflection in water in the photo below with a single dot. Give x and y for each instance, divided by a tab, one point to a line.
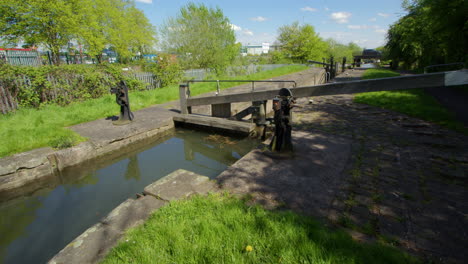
133	170
16	215
35	228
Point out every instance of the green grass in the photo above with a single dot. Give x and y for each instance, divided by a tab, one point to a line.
218	229
413	102
27	129
378	73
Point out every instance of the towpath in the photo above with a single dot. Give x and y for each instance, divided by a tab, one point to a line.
380	174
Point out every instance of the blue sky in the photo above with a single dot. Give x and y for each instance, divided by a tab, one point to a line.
364	22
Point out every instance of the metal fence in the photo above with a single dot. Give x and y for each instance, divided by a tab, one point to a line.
151	81
21	57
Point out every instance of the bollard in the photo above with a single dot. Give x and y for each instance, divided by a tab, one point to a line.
282	105
121	97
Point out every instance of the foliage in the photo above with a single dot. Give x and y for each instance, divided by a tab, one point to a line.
338	50
301	43
64	141
278	57
223	229
52	23
167	69
93	23
413	102
30	128
202	36
61	84
433	32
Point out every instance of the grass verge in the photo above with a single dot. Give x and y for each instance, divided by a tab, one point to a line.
413	102
223	229
378	73
27	129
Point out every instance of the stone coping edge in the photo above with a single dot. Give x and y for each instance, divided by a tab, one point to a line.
97	241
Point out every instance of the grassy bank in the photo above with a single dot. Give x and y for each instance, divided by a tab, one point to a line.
222	229
28	129
378	73
413	102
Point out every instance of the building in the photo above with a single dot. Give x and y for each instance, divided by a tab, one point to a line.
255	49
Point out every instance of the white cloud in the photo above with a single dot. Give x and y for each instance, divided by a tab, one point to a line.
373	19
383	14
259	19
235	27
381	31
337	35
341	17
308	9
327	9
357	26
368	39
145	1
361	41
247	32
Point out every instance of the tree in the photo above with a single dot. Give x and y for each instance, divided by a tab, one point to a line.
203	37
51	23
338	50
433	32
301	43
94	23
127	28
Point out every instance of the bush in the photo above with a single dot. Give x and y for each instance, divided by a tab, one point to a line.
167	69
36	86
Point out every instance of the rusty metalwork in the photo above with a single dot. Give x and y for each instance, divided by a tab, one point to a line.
282	105
121	97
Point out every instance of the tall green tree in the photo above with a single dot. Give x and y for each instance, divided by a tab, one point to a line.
338	50
96	24
301	42
433	32
50	23
202	36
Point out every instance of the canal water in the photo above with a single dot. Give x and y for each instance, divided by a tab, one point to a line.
34	228
368	66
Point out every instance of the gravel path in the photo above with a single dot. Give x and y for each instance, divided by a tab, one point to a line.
382	175
406	179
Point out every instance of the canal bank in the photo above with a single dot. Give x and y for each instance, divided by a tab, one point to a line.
39	184
26	172
35	227
381	175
